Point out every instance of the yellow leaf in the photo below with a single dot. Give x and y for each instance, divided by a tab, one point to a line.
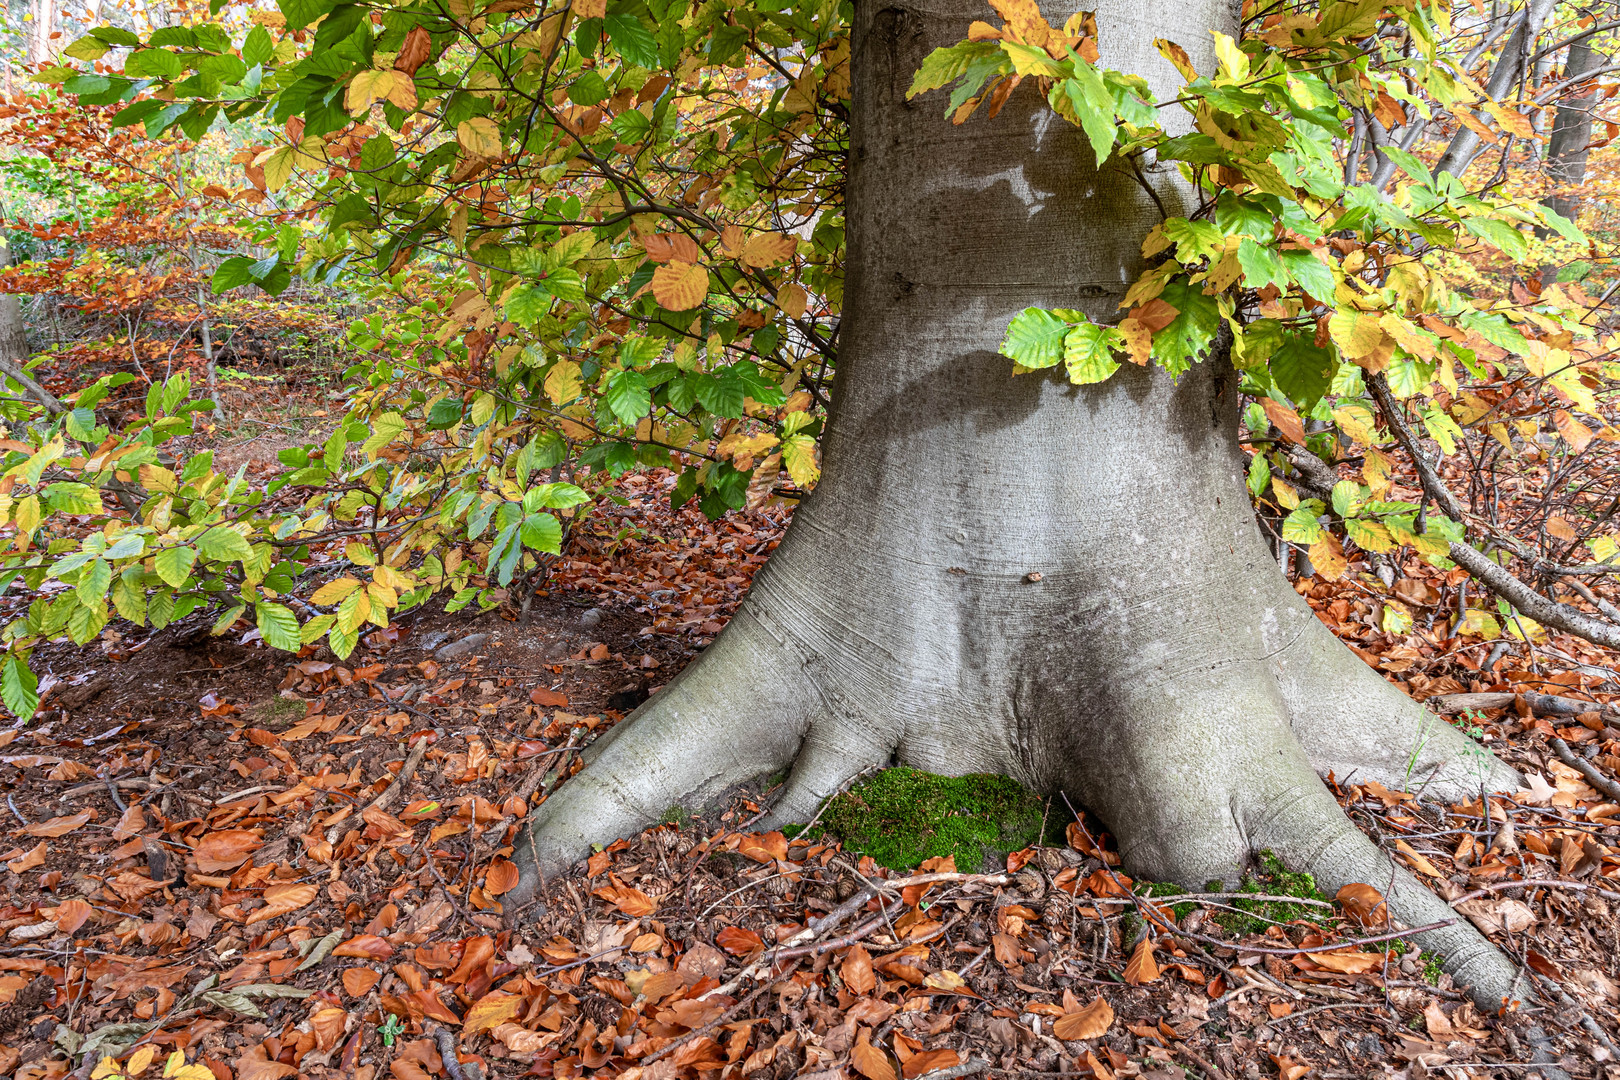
589	9
680	286
1328	558
277	165
799	458
140	1060
480	137
1360	338
768	249
368	86
791	298
562	382
104	1068
489	1011
333	591
1286	496
1024	18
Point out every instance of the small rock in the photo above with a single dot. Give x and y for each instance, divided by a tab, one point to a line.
433	639
591	619
558	650
465	647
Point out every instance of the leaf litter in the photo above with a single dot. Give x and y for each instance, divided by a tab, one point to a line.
223	890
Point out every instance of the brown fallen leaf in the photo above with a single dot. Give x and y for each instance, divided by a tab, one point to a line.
226	849
1363	903
490	1011
30	859
71	914
856	971
502	877
1419	863
282	899
870	1061
358	981
1142	968
56	826
1090	1022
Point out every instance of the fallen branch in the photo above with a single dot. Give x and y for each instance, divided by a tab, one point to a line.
1586	769
1540	704
1533	883
412	760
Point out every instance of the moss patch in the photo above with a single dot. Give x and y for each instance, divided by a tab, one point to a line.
1274	879
902	817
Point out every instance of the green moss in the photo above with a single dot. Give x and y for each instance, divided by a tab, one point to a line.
276	710
1274	879
677	816
1432	970
902	816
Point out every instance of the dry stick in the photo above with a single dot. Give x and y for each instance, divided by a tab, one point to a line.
1586	769
967	1068
717	1021
412	760
537	774
1590	1025
1534	883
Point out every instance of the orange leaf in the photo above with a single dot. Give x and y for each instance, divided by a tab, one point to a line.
1286	419
365	947
131	823
1419	863
1346	961
632	901
281	899
764	847
226	849
929	1060
856	971
1288	1069
502	877
57	826
358	981
1087	1023
1142	968
738	941
71	914
327	1026
1363	903
29	860
551	699
680	286
869	1061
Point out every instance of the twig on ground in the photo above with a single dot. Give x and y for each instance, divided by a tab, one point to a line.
458	1069
717	1021
412	760
112	789
1586	769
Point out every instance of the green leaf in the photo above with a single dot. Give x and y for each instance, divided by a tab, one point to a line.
19	689
542	532
66	497
223	545
1309	273
94	581
158	63
1347	498
384	430
1301	369
1035	338
633	40
279	627
174	565
1088	353
1301	526
1093	106
944	66
1499	234
1261	266
627	395
1187	339
232	273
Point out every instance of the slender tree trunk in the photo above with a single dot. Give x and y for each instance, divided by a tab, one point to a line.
14	344
39	41
1062	584
1572	131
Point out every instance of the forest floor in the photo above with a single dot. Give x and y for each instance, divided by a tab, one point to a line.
294	866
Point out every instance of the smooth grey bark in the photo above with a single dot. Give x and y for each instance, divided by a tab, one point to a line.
1062	584
1571	134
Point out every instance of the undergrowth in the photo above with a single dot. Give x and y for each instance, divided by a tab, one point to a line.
1274	879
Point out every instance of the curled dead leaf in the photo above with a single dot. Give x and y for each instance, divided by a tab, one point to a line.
1090	1022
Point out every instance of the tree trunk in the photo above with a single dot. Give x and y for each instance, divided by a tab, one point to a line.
1571	133
39	41
1062	584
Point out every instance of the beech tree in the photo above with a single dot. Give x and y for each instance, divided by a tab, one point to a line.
1031	547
